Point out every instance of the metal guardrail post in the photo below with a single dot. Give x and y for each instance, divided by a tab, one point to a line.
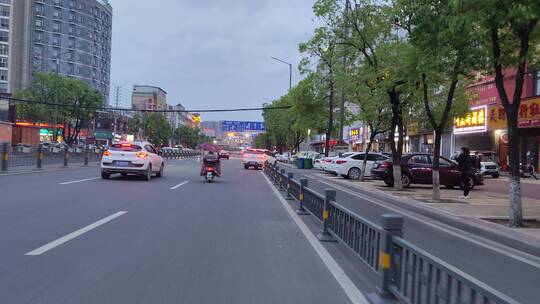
5	157
39	162
392	225
325	236
66	157
290	176
276	175
281	174
301	210
86	152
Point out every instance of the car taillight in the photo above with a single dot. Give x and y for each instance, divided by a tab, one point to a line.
261	156
317	161
209	169
141	155
106	153
385	165
339	162
126	145
327	160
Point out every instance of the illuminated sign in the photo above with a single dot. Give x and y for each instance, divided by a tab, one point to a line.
528	115
475	121
242	126
354	134
36	124
46	132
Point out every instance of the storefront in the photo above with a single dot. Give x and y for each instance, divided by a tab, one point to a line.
355	139
485	129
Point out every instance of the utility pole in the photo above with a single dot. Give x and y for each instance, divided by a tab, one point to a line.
117	101
344	63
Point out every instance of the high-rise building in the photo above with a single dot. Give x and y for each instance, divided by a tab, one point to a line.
68	37
5	8
146	97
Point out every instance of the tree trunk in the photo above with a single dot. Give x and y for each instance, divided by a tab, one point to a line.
330	119
364	163
396	168
516	211
396	147
435	166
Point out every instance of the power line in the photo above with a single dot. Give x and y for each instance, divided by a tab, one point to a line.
149	111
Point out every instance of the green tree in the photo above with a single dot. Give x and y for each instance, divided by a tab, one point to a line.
157	129
384	56
510	35
75	102
445	53
190	137
322	48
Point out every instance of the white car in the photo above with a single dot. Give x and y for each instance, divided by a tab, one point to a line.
254	158
330	162
350	166
318	161
140	158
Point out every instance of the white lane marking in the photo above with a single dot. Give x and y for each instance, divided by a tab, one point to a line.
170	166
74	234
352	292
80	180
480	241
179	185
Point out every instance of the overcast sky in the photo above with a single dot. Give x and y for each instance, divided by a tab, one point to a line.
209	54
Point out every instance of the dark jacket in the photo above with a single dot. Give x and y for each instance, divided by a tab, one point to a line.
464	163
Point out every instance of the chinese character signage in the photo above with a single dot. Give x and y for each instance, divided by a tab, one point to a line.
354	134
241	126
528	115
474	121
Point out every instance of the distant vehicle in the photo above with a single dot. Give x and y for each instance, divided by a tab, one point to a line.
224	154
139	158
254	158
416	168
282	157
488	163
350	166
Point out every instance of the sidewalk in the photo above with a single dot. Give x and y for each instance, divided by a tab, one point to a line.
46	168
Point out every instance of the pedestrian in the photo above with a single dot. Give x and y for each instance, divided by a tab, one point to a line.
465	167
477	160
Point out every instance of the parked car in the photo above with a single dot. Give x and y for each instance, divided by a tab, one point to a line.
330	162
318	161
350	166
416	168
488	163
270	157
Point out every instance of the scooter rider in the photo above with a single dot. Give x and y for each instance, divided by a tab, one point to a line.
211	159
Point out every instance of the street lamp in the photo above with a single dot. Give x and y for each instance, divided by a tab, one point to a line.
290	70
56	92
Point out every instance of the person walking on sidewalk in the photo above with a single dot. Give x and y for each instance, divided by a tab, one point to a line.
465	167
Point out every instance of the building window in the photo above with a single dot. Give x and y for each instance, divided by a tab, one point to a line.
3	62
57	3
4	36
3	75
4	49
56	41
4	11
57	14
56	27
537	84
4	24
38	51
39	24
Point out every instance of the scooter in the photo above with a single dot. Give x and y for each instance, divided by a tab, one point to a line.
209	173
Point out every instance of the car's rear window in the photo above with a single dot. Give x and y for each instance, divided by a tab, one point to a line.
125	147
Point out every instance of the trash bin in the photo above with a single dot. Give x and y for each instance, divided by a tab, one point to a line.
308	163
300	163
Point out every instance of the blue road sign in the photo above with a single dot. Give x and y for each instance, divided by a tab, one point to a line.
242	126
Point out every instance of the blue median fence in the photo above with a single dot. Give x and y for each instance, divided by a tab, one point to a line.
406	273
39	156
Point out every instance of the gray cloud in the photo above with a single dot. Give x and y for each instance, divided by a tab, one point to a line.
209	53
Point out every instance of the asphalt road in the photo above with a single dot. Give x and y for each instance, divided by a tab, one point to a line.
70	237
510	271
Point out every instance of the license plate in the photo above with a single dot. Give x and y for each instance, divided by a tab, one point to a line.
122	164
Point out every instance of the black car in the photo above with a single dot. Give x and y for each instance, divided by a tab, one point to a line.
416	168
